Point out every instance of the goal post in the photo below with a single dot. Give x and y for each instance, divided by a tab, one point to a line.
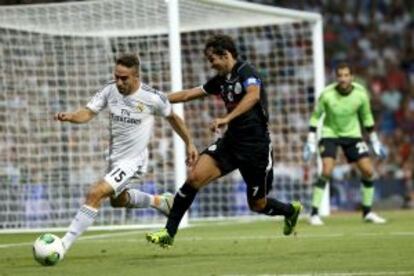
176	85
54	56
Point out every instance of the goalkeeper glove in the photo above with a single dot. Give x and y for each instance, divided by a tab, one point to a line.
379	150
310	147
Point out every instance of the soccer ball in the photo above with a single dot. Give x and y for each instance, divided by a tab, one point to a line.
48	249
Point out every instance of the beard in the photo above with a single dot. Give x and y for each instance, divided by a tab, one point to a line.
122	90
344	89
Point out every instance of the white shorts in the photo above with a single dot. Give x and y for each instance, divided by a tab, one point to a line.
122	171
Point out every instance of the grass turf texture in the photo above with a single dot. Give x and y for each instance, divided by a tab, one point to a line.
345	246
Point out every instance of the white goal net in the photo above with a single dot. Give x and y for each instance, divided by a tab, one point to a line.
53	57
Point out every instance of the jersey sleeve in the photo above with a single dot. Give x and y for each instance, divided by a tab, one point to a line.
365	113
317	112
99	100
249	76
162	105
212	86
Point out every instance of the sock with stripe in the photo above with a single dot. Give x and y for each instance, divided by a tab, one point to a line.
182	202
139	199
318	192
275	207
83	219
367	190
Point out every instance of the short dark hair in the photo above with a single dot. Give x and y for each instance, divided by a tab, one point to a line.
220	43
343	65
129	61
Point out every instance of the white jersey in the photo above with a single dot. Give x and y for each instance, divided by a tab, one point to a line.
131	118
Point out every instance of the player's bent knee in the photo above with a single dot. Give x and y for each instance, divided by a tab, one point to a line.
116	203
203	173
120	201
368	174
97	192
368	178
196	179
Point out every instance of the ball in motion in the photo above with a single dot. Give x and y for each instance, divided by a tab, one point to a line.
48	249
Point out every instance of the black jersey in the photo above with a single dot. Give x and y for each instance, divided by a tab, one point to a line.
232	89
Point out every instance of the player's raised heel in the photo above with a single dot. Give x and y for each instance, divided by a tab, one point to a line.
161	237
290	222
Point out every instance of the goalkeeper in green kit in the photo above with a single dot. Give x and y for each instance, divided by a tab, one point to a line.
346	107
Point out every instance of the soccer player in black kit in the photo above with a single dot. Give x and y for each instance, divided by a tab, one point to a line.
245	145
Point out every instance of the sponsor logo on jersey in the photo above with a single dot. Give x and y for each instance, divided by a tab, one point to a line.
125	112
140	107
238	88
123	119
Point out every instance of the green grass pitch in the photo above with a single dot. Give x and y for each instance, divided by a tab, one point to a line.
345	246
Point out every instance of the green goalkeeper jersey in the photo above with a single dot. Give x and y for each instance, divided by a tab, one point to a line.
343	113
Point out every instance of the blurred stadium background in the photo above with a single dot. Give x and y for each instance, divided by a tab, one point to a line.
377	38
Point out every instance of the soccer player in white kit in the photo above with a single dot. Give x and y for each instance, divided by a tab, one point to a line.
132	105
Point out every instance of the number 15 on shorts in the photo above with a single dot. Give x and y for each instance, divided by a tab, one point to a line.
118	175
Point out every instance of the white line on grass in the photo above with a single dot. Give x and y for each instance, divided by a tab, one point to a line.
90	237
96	238
103	237
8	245
402	233
371	273
382	234
226	238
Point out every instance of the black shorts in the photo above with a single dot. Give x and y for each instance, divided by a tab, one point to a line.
255	163
353	148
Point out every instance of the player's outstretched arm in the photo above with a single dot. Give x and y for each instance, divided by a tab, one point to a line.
249	100
178	125
80	116
186	95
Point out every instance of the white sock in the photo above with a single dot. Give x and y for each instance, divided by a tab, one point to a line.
83	219
138	199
